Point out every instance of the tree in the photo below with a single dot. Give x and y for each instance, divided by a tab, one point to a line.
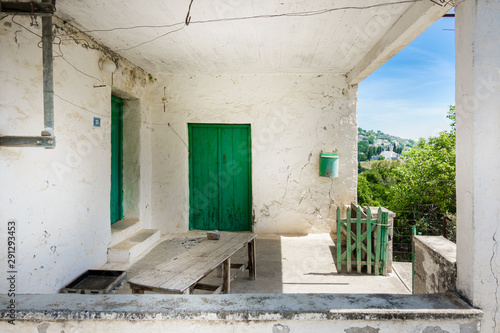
425	186
374	184
453	117
363	146
371	140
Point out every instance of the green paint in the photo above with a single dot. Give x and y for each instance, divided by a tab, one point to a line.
359	242
328	165
116	202
220	177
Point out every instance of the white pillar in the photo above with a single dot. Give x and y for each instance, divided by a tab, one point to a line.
478	156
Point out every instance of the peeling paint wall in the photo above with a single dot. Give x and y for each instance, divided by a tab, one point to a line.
293	118
59	198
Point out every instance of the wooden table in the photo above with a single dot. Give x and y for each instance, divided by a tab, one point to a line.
181	274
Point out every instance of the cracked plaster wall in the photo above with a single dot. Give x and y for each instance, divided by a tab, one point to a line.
59	198
293	118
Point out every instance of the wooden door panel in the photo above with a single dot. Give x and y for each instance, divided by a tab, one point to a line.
220	177
204	205
116	192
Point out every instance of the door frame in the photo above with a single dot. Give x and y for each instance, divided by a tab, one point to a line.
249	138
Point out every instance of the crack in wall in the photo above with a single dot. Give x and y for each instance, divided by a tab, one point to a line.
495	247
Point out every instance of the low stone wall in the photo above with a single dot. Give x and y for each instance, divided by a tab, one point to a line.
435	265
273	313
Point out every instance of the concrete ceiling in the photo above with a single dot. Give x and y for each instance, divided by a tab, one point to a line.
277	36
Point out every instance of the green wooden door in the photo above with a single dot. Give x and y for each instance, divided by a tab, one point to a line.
116	202
220	177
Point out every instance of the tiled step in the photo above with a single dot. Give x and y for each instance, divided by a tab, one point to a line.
131	248
123	229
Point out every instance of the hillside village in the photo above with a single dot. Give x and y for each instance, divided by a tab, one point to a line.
375	145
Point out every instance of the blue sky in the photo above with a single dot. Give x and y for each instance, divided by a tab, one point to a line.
410	94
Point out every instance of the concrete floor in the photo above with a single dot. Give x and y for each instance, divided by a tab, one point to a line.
285	264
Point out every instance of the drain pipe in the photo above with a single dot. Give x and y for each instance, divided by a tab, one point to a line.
47	139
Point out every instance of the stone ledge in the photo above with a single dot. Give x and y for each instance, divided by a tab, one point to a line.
435	265
242	307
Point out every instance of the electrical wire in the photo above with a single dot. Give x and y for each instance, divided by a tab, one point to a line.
152	40
288	14
242	18
19	24
108	116
60	55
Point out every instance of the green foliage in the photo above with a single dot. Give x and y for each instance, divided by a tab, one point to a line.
427	178
420	187
363	146
374	184
453	117
362	157
371	140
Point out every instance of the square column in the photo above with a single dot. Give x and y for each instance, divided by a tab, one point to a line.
478	156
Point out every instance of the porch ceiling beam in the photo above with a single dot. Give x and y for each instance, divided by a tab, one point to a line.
412	23
27	8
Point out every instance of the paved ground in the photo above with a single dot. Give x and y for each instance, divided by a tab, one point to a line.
285	264
404	272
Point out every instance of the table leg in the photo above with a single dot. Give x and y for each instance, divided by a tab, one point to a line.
226	276
251	260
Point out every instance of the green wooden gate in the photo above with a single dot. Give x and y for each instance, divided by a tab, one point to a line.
366	242
116	202
220	177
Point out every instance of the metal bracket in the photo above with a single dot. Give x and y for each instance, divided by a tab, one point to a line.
28	141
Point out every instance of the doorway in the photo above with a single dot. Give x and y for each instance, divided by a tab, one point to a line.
220	183
116	201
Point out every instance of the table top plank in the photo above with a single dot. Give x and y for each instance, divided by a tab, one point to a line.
182	271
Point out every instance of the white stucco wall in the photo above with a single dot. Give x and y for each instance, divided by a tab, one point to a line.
478	161
59	198
293	118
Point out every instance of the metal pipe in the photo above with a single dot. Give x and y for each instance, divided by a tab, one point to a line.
48	76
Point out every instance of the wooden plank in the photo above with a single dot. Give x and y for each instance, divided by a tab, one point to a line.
252	260
204	191
377	246
193	269
239	269
348	241
339	241
199	267
369	241
190	266
358	240
226	276
383	240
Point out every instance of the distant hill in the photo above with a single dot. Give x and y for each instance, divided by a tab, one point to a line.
372	143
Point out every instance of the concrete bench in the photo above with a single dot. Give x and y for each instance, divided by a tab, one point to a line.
181	274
